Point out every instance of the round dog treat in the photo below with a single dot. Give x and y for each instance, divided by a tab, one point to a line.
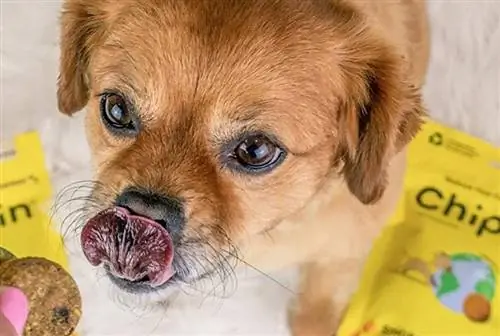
54	298
5	255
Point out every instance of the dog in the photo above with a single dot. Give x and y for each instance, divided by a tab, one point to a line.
266	132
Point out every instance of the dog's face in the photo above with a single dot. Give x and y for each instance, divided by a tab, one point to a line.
210	122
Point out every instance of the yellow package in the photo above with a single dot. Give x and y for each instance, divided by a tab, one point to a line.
435	269
25	195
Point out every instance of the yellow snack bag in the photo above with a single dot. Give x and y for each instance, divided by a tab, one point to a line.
435	269
25	195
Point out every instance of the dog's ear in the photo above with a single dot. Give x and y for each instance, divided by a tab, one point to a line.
379	117
81	27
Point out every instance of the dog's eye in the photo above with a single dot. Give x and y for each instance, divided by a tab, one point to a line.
115	112
258	153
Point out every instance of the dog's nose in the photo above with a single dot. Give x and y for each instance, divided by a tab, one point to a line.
167	211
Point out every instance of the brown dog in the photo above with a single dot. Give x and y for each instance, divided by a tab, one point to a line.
270	132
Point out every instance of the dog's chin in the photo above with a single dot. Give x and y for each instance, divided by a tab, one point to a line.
145	288
140	287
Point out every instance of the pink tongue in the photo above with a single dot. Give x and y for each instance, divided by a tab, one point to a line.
133	247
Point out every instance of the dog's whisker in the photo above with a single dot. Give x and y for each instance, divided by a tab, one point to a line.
266	275
202	266
85	196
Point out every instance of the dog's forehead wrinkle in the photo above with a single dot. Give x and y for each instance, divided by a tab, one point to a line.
207	24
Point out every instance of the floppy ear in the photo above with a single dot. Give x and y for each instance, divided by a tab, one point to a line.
81	27
379	119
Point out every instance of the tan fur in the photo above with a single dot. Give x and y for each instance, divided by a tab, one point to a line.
336	81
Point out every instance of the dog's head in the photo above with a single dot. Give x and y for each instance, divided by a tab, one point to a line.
212	121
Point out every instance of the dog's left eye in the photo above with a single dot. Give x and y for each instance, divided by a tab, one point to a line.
257	153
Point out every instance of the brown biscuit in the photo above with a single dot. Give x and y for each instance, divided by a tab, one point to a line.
55	302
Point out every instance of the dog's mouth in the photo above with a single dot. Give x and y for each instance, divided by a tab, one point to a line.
135	251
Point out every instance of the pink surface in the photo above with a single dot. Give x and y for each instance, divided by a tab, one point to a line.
14	306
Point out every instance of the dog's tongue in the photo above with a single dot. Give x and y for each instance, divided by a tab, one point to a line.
134	248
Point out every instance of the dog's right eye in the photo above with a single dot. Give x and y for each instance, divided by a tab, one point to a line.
116	114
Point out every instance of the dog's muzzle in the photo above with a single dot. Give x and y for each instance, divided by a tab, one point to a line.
132	247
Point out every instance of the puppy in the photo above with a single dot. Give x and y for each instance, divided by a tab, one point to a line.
264	132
